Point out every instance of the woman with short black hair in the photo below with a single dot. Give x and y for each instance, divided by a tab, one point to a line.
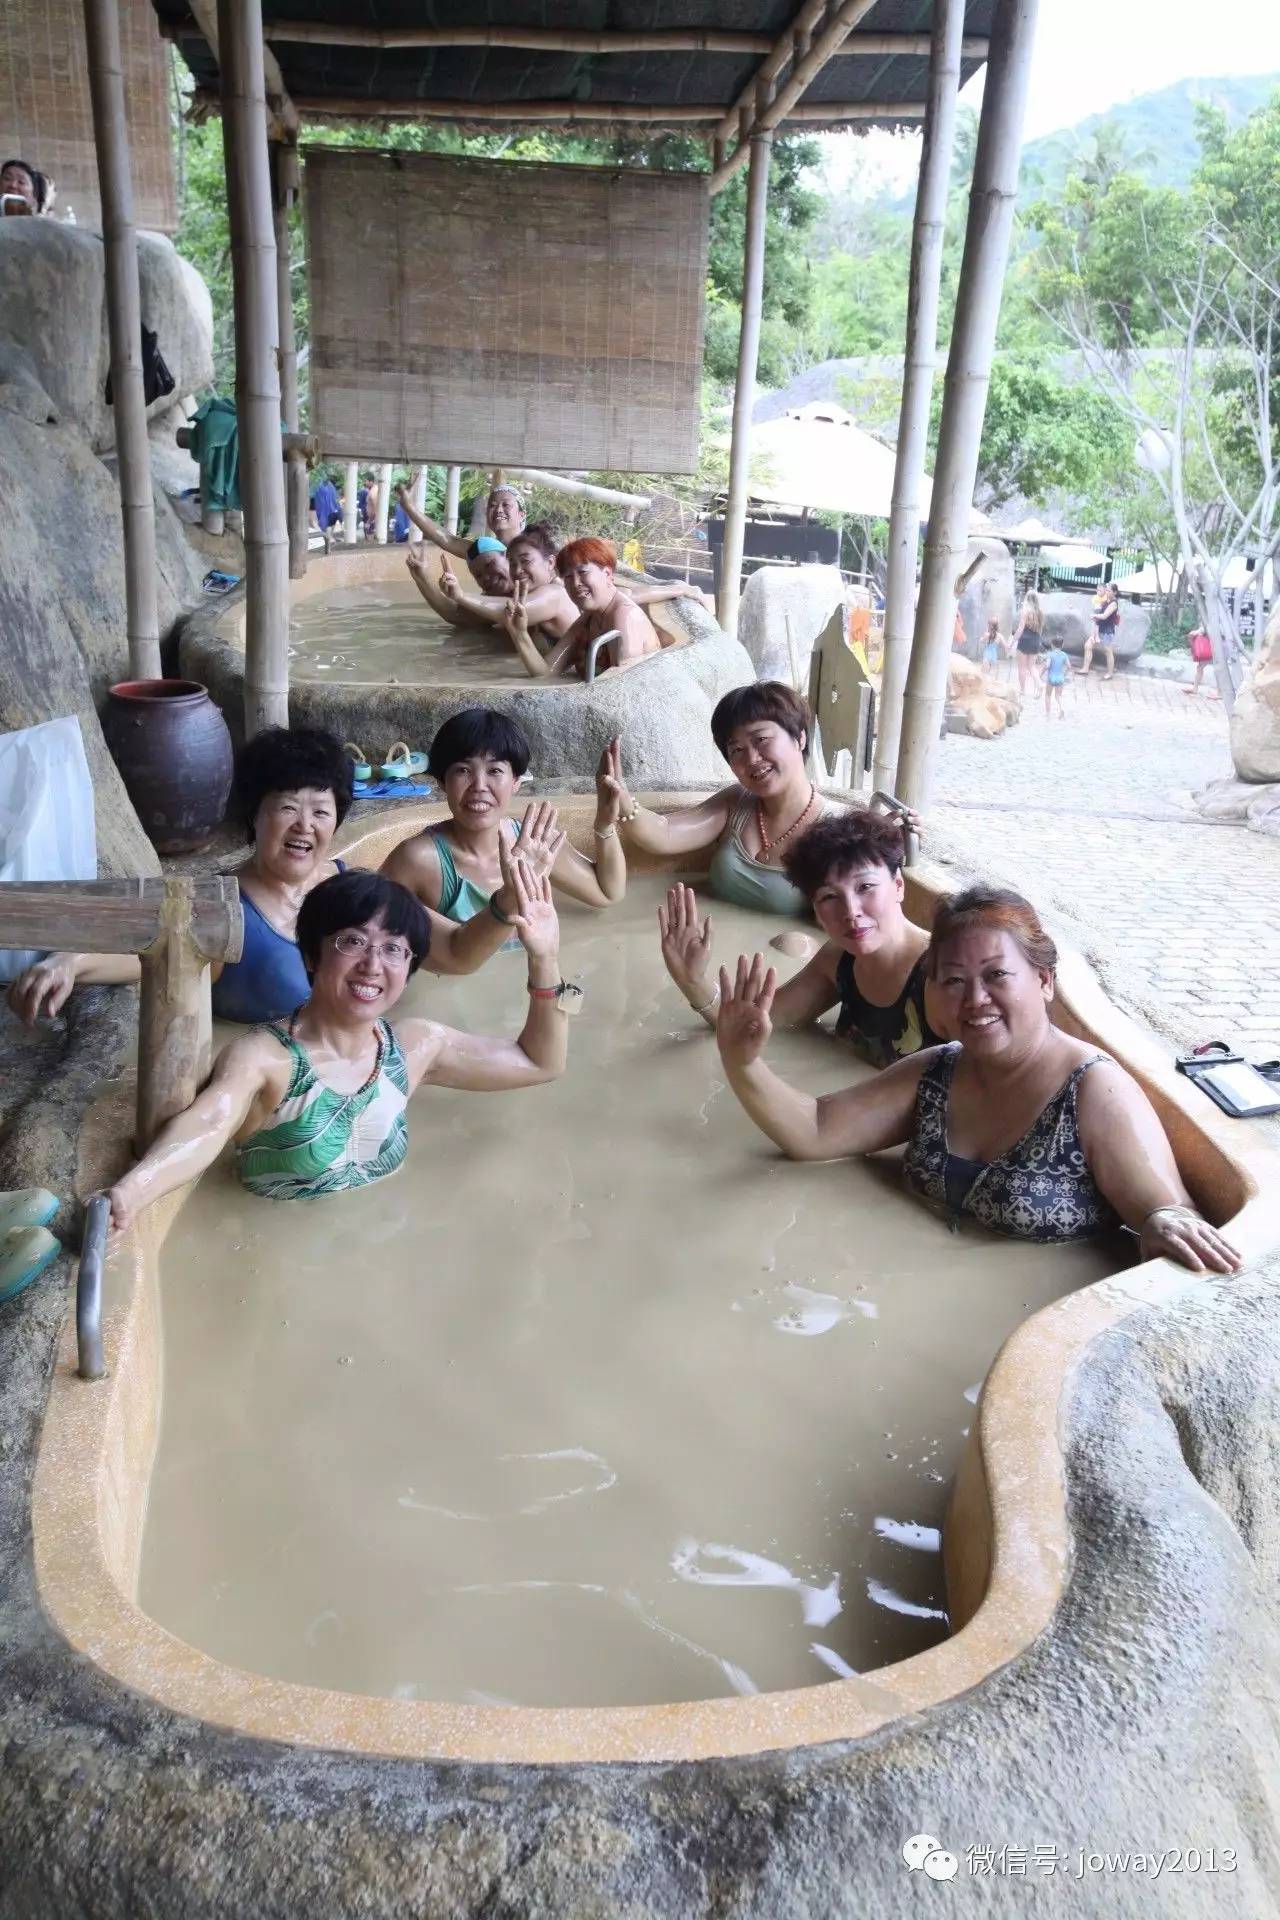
478	759
317	1106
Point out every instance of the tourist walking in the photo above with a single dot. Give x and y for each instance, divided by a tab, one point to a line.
1028	640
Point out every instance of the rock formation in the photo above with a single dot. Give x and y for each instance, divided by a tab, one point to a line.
1068	622
1255	724
977	705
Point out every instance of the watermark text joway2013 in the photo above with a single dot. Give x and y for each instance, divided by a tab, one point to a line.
923	1853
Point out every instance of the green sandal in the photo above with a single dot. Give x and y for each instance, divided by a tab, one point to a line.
26	1207
25	1252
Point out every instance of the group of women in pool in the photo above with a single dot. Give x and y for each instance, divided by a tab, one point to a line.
1003	1114
551	601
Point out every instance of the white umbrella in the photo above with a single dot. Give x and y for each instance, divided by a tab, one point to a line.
1034	533
1070	558
818	457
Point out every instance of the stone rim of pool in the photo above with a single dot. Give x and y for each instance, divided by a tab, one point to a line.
1008	1543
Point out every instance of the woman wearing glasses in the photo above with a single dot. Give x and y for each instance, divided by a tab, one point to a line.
316	1104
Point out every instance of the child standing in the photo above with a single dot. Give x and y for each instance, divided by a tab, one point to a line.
993	641
1056	668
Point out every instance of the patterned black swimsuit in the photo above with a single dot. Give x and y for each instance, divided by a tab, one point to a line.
1041	1189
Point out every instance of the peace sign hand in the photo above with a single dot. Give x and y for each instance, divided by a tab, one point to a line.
448	582
744	1026
609	786
515	616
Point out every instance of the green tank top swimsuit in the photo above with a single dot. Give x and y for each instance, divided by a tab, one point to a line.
734	876
318	1141
461	899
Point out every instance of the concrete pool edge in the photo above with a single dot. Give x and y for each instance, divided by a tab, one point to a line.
91	1479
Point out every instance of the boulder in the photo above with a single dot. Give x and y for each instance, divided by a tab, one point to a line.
990	593
62	604
1255	724
781	600
52	302
977	705
1068	622
1253	804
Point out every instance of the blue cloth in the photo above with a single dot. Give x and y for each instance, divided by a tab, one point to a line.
1056	667
326	505
268	981
487	544
400	525
362	501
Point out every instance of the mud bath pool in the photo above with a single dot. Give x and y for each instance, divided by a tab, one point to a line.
598	1402
383	633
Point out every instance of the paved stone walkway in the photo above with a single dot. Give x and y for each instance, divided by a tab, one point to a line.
1089	817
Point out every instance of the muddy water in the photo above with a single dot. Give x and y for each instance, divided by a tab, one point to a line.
383	632
597	1401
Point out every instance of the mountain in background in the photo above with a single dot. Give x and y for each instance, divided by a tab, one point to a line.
1157	132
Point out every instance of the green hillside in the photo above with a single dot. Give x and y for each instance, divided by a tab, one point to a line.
1154	135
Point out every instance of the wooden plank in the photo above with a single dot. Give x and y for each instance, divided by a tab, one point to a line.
117	916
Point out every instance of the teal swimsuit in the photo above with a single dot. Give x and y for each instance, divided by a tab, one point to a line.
461	899
734	876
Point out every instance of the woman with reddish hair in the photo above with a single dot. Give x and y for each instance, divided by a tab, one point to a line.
1016	1123
586	567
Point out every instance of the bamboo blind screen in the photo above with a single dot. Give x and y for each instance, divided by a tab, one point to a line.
45	114
498	313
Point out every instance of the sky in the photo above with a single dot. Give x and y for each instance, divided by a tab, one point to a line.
1091	55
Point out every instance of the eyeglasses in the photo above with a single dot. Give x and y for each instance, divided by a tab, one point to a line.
393	953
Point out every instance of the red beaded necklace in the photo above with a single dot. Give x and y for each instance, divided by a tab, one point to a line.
766	845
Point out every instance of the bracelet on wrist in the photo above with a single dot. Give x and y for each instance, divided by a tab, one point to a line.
706	1005
503	918
605	833
628	814
545	993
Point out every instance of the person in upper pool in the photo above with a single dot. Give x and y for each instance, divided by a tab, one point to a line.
478	759
503	516
317	1106
872	965
762	730
531	563
587	568
292	791
1016	1123
24	189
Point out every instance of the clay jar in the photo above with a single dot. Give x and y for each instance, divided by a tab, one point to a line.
174	754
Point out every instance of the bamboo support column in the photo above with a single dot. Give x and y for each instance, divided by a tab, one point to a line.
257	330
384	503
927	235
124	325
351	504
735	513
284	183
418	495
986	254
452	489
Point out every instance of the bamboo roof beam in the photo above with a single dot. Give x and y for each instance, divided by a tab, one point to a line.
550	40
565	112
804	71
798	34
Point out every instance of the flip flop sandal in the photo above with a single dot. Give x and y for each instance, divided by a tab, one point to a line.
26	1207
361	770
402	763
24	1255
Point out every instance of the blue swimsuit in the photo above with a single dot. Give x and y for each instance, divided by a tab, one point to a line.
268	982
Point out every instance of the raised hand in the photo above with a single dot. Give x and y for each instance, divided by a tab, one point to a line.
746	1001
535	917
416	558
1181	1234
448	581
43	988
609	786
515	615
686	943
540	838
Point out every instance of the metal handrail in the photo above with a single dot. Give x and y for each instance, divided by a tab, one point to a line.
593	652
910	839
97	1220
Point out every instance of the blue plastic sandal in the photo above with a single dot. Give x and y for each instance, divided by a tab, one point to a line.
26	1207
25	1252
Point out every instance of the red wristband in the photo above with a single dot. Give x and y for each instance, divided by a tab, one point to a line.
544	993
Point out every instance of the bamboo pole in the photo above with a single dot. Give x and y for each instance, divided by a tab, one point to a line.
735	513
580	489
284	180
927	235
174	1018
257	333
124	326
384	503
282	116
770	67
351	503
804	72
452	488
986	254
418	495
577	112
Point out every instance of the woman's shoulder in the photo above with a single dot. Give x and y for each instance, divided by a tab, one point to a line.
420	850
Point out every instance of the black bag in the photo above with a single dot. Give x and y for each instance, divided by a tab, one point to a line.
157	380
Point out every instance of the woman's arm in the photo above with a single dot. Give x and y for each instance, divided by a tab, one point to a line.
428	527
45	987
438	602
463	947
603	881
1130	1157
475	1063
515	624
194	1138
686	830
646	594
863	1119
686	949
